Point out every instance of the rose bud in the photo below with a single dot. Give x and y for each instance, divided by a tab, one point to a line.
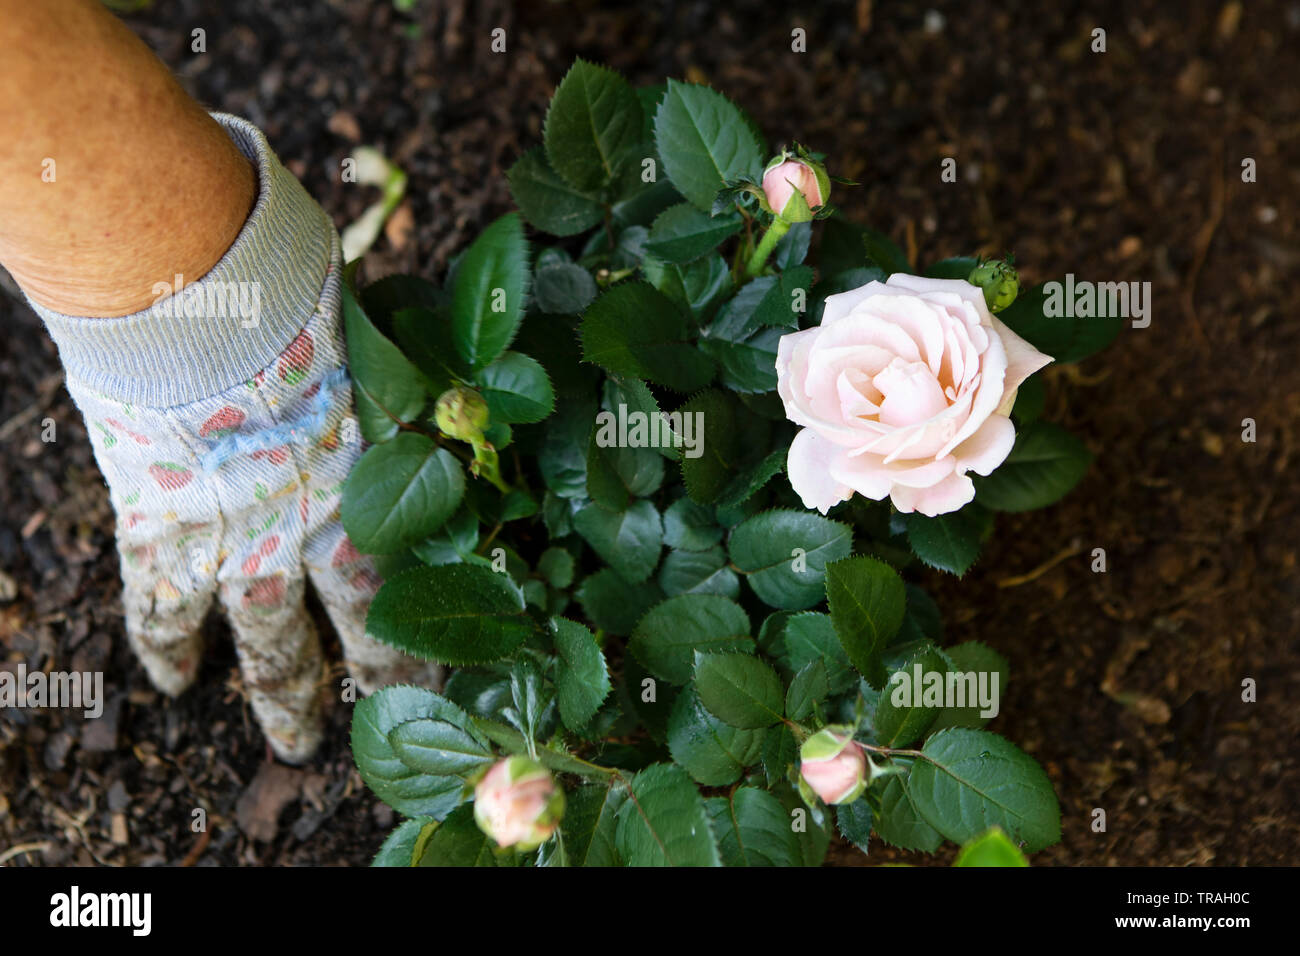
461	413
518	804
999	282
784	177
833	766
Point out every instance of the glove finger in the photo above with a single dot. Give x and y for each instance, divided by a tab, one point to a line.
346	582
168	583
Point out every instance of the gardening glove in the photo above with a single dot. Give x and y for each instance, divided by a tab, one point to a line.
222	420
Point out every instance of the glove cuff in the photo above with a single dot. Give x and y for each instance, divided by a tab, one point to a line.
225	328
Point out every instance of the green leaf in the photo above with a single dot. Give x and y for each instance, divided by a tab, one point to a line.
547	201
388	388
399	493
898	724
713	753
739	689
439	748
1031	396
635	330
810	638
516	389
746	365
884	252
593	126
458	614
425	337
636	396
991	848
590	822
562	459
563	289
949	542
699	286
403	788
581	675
682	233
781	304
899	823
556	566
704	140
808	687
754	829
698	572
959	267
667	637
689	526
750	481
664	823
405	844
970	780
867	602
785	554
854	821
972	657
616	473
459	842
709	467
1065	338
488	296
1045	463
614	604
628	540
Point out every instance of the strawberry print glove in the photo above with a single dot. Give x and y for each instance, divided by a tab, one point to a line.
223	423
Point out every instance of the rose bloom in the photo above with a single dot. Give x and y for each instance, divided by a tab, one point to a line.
517	803
904	388
780	182
839	775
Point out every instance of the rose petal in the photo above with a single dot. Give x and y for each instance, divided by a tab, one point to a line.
988	447
951	494
809	468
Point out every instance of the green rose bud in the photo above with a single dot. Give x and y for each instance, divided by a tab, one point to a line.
998	279
462	413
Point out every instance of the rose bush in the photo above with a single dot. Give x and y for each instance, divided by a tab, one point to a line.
591	489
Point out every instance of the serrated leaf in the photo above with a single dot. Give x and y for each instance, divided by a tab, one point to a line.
590	822
807	688
389	389
581	677
704	141
753	829
458	614
970	780
629	540
404	789
516	389
739	689
399	493
898	823
809	638
698	572
683	233
438	747
867	603
1045	463
547	201
563	289
617	473
459	842
634	330
689	526
488	294
667	637
614	604
664	822
709	467
404	845
854	822
973	657
715	754
902	714
593	126
784	554
949	542
991	848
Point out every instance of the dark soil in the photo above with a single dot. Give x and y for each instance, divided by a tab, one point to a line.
1117	166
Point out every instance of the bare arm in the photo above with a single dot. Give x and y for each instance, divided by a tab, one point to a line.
144	185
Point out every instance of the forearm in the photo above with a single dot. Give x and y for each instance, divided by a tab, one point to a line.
143	184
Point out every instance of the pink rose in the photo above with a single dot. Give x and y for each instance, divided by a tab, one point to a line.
904	387
781	180
518	804
833	766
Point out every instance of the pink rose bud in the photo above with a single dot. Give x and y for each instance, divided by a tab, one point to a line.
833	766
518	804
783	178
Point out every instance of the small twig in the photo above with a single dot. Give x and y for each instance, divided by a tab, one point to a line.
1042	569
22	848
